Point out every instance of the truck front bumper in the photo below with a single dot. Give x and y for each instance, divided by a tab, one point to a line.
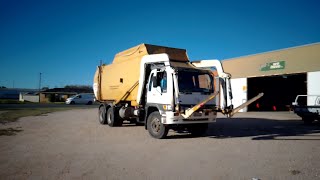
170	118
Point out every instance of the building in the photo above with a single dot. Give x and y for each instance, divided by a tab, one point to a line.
61	94
281	75
13	93
55	96
29	97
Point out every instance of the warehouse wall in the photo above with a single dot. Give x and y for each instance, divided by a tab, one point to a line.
313	86
299	59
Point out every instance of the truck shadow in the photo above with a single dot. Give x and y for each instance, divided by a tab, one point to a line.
263	129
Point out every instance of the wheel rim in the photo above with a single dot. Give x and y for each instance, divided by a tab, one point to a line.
155	125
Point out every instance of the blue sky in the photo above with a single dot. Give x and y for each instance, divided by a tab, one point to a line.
65	40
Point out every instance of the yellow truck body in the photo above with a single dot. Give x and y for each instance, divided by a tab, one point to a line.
118	81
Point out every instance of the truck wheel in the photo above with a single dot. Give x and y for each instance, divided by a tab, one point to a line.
89	103
155	127
198	129
102	115
110	117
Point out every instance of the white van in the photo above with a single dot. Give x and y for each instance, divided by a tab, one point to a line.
83	98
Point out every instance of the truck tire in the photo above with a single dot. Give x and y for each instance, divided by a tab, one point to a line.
198	129
112	118
155	128
102	115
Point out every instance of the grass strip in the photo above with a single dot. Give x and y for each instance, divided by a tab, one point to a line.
10	101
14	101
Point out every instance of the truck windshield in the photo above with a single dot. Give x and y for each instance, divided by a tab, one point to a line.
195	81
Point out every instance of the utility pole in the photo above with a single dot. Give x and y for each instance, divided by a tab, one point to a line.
39	86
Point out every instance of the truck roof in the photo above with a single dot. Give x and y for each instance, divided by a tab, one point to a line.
146	49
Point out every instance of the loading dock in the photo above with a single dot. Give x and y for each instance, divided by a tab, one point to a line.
279	91
281	75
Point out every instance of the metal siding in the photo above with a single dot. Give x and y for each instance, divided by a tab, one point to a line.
298	59
313	86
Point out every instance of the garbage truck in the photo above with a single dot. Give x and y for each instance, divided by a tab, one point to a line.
161	88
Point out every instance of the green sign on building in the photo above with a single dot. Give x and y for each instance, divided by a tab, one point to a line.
273	66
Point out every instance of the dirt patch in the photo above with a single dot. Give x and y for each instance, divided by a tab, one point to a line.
10	131
74	145
15	114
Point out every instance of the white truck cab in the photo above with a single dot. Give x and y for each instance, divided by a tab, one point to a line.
172	90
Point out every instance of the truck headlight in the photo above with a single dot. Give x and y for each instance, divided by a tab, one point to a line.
167	107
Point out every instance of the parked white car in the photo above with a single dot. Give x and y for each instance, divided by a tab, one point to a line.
83	98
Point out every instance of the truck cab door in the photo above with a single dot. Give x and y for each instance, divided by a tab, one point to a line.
157	90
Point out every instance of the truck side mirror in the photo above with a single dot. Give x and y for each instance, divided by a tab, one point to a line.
154	81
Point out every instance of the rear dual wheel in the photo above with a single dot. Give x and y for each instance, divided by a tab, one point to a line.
109	116
102	115
113	118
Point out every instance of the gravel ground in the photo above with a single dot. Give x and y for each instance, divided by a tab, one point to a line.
73	145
